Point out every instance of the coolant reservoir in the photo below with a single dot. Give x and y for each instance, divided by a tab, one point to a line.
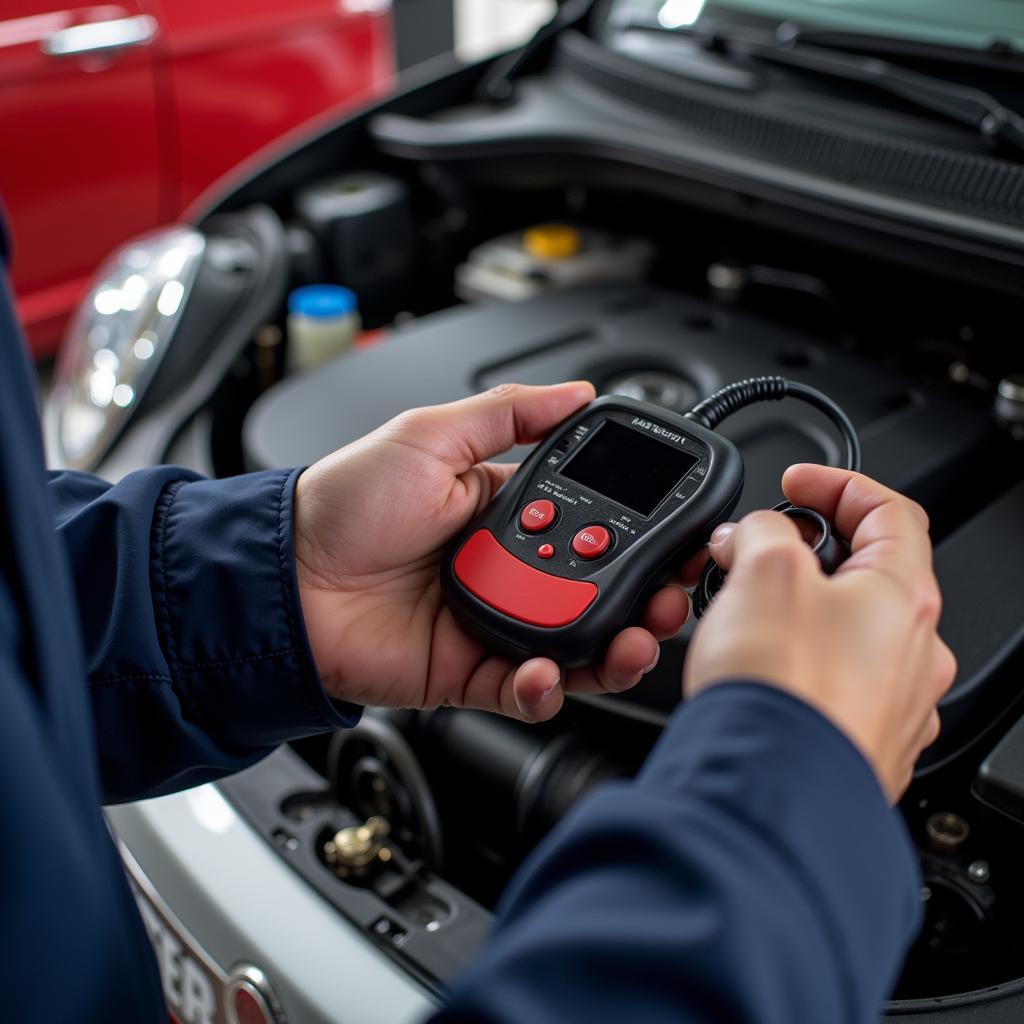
523	264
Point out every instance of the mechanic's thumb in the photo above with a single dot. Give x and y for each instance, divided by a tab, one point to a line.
490	423
764	544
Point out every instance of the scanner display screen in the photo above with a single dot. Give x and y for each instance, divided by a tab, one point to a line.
629	467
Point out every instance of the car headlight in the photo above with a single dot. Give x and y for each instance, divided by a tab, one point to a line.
116	340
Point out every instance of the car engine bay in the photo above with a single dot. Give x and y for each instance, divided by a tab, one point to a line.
474	267
442	806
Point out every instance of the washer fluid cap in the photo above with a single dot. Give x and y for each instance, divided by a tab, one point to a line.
322	301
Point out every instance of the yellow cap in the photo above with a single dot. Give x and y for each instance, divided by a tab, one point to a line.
552	241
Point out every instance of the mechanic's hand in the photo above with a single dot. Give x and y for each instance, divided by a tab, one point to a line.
371	524
860	646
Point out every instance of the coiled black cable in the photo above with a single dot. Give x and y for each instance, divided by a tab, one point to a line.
734	397
831	549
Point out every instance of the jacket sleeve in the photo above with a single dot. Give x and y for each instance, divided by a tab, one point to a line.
198	661
753	872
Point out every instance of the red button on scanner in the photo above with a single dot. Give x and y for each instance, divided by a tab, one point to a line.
538	515
591	542
511	586
546	550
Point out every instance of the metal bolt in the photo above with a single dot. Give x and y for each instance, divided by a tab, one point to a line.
978	871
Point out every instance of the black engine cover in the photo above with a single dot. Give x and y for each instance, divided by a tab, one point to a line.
918	441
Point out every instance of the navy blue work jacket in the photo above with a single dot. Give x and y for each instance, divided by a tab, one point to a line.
151	639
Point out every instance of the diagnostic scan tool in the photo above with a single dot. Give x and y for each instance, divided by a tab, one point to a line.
600	514
591	524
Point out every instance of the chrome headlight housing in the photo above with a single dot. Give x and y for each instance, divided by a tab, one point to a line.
116	341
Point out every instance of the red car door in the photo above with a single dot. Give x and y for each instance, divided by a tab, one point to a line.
79	170
242	73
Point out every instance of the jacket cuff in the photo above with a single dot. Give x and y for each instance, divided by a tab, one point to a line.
784	769
229	613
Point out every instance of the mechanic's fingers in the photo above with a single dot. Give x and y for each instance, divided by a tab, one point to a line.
850	500
840	495
461	674
887	532
492	477
667	612
890	541
474	429
488	688
765	547
717	546
630	656
494	685
537	691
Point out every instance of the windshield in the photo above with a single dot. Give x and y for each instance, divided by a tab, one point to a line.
963	23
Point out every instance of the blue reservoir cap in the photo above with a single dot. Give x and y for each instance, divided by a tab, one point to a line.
322	301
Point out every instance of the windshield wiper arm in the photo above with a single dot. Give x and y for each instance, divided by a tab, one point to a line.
1000	53
963	104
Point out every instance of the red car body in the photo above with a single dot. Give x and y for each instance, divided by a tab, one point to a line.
113	117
